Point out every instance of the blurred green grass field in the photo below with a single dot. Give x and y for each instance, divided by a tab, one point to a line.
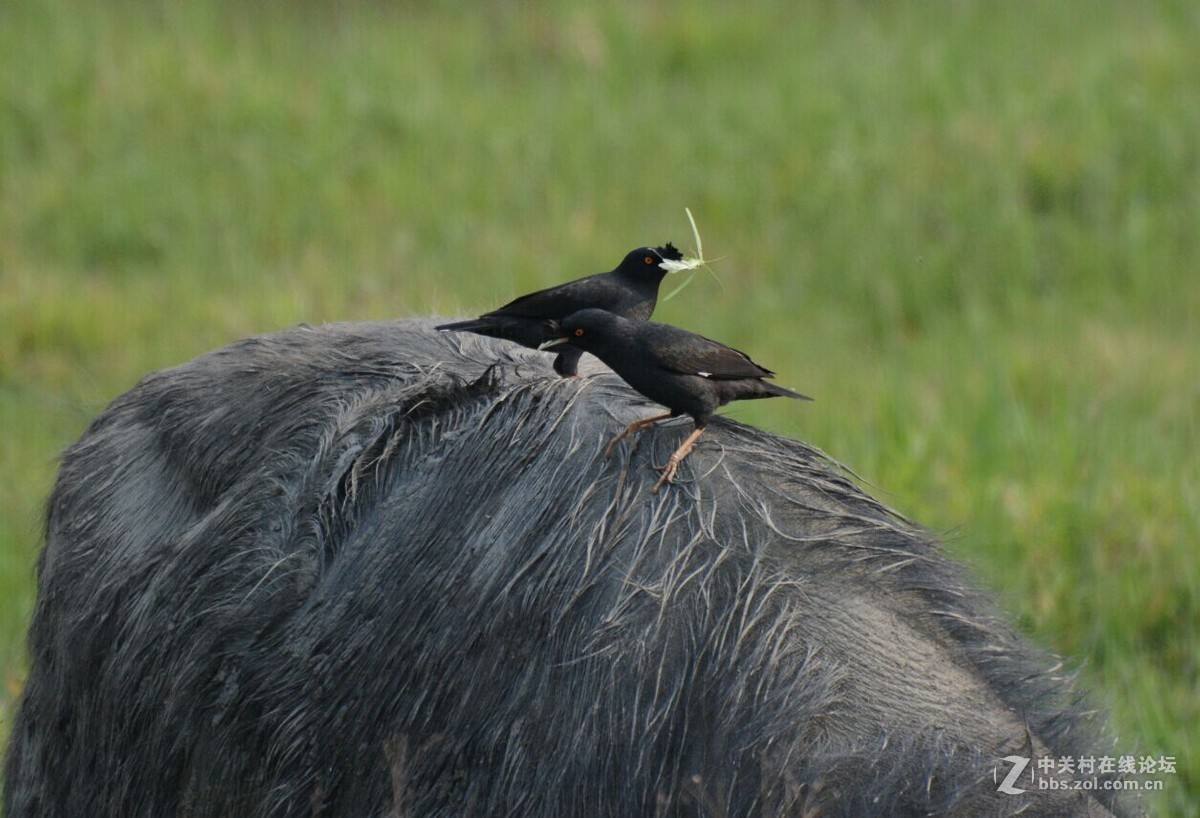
970	229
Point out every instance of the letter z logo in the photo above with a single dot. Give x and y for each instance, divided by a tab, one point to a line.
1006	786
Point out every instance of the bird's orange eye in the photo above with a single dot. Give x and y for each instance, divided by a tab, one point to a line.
649	259
578	332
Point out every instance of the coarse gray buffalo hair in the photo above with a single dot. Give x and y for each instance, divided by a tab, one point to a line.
371	570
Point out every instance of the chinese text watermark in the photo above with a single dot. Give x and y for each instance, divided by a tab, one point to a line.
1019	774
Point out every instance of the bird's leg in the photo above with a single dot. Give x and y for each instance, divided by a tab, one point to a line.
685	448
634	428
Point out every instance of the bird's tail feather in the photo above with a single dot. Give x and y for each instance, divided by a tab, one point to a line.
474	325
781	391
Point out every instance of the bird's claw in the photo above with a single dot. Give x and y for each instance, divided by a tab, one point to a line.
668	474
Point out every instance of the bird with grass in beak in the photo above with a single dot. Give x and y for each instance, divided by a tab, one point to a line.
685	372
629	290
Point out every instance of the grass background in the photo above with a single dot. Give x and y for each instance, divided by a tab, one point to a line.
970	229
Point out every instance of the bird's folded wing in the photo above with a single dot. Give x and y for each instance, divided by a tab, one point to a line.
559	301
708	359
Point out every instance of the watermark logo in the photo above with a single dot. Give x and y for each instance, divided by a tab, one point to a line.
1082	773
1019	763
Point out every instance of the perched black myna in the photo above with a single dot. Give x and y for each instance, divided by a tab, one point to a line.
630	290
687	373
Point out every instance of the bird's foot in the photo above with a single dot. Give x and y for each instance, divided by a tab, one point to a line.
633	429
668	474
685	448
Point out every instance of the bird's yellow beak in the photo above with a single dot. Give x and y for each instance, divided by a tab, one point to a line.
554	342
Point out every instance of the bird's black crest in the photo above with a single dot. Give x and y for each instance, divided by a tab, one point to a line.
669	252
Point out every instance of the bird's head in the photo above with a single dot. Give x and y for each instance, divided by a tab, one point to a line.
587	329
652	261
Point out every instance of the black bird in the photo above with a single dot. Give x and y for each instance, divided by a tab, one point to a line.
687	373
629	290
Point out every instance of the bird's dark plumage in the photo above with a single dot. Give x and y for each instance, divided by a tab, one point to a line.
629	290
687	373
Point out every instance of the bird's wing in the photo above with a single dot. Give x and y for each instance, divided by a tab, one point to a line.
691	354
564	299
